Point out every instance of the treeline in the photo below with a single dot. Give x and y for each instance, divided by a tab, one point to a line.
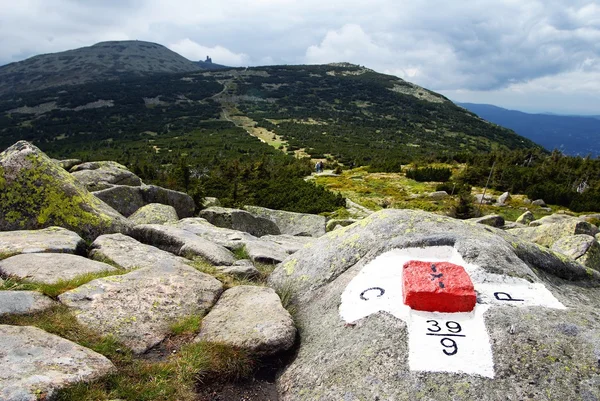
271	181
568	181
441	174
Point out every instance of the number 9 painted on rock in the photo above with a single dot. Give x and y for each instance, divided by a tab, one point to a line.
451	344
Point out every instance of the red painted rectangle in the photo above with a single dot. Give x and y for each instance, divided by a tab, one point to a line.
437	287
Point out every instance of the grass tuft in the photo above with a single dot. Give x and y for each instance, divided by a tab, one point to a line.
241	253
286	294
55	289
189	325
229	280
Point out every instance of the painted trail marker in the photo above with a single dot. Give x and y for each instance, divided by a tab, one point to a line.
439	341
437	287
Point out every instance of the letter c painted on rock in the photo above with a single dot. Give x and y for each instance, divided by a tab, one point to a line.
381	292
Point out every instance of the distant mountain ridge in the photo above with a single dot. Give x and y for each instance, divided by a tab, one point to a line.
573	135
102	61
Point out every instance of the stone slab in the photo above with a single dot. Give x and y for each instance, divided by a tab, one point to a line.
35	364
50	268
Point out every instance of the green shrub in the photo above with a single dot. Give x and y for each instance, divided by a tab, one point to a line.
427	174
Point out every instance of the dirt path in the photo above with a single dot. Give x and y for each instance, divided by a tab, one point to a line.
229	112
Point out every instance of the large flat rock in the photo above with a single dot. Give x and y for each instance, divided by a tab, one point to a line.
265	252
35	364
240	220
289	243
182	242
103	174
230	239
250	318
302	224
20	302
51	240
534	330
50	267
266	249
35	192
138	308
129	254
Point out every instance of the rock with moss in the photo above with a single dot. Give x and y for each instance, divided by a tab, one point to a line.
154	213
357	211
124	199
210	201
240	220
551	219
35	192
484	199
539	202
438	195
100	175
182	202
67	164
335	223
183	243
583	248
127	253
51	268
250	318
51	240
127	200
51	363
525	218
502	199
21	302
301	224
139	308
368	356
242	269
591	218
548	234
493	220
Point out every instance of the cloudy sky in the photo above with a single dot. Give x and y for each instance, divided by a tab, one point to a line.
531	55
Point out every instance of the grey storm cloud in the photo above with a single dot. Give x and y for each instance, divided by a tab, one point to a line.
455	47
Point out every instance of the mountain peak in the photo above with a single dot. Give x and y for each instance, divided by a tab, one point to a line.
102	61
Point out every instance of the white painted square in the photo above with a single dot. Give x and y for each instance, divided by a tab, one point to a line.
450	342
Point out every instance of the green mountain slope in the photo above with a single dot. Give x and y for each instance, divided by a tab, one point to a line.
102	61
360	116
350	114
